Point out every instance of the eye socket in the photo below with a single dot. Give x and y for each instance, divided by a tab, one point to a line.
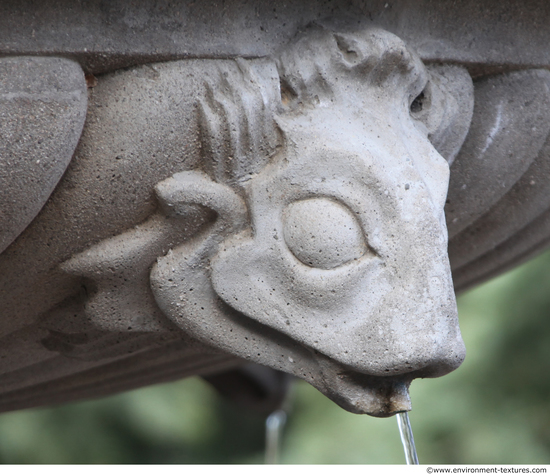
418	103
323	233
421	103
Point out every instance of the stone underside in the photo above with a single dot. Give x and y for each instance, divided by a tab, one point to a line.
497	210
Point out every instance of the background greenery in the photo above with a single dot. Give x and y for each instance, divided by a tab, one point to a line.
494	409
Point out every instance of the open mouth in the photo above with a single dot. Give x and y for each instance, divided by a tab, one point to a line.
365	394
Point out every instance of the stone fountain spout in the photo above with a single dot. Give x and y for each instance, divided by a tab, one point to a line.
299	223
330	262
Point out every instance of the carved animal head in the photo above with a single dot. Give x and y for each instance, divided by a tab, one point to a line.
323	174
328	258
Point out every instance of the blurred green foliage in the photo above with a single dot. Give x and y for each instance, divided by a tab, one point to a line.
494	409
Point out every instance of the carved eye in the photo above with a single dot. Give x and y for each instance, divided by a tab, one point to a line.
323	233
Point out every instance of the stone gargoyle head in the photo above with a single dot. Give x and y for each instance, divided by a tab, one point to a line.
325	173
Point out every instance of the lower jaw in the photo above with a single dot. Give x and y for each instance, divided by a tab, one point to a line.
364	394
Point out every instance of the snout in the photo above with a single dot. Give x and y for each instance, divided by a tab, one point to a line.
386	394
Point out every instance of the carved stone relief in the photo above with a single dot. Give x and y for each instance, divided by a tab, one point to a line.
286	210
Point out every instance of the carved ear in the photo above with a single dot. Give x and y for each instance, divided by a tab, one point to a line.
445	107
193	188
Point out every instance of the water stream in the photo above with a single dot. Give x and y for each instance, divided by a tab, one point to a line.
274	425
407	439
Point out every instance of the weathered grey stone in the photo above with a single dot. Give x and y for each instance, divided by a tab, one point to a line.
42	112
279	197
276	139
509	127
306	233
486	36
499	184
453	99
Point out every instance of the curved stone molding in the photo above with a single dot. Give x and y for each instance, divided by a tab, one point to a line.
499	186
42	111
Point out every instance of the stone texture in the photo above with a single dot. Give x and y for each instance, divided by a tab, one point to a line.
499	184
42	112
234	150
104	35
285	309
509	127
292	174
306	233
